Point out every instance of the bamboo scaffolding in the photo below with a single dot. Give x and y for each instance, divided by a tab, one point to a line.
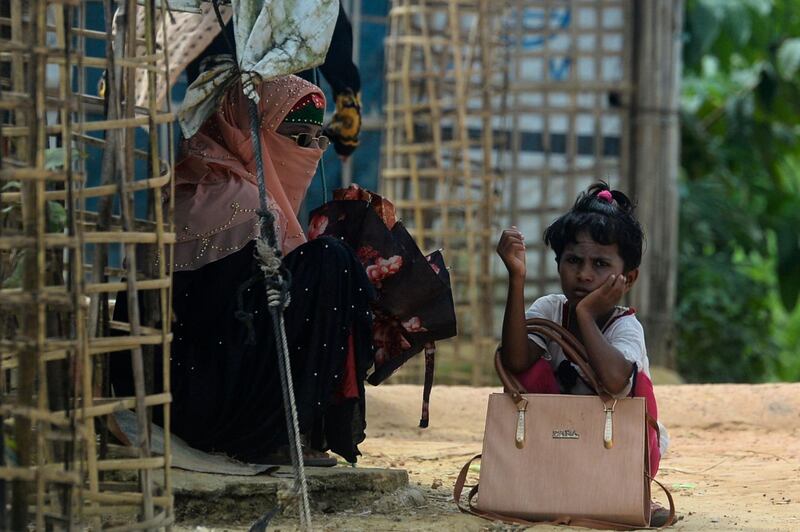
440	80
54	401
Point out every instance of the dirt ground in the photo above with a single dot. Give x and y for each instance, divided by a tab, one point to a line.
733	462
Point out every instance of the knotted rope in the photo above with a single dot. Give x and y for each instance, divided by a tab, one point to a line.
277	280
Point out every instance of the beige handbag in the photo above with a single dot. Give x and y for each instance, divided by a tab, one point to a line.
563	459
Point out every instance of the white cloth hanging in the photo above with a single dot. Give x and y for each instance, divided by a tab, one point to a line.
273	38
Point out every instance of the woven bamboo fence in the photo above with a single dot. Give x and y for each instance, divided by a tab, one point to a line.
58	270
441	78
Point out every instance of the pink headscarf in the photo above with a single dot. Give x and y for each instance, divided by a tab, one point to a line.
216	191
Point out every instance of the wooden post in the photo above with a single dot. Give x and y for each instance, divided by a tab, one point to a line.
655	144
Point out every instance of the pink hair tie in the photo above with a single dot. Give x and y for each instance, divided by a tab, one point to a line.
606	196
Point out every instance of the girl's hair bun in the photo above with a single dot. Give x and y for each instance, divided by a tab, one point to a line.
596	199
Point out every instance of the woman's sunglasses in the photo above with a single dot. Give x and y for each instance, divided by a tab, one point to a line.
304	140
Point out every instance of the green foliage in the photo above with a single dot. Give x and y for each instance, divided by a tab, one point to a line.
739	279
10	260
724	312
11	263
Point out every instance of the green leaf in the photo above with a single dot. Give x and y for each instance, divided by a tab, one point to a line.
738	23
788	57
761	7
54	158
11	186
704	22
56	217
788	261
15	279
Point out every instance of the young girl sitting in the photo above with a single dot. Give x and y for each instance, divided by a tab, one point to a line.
598	249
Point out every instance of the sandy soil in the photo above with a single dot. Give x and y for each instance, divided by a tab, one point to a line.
733	463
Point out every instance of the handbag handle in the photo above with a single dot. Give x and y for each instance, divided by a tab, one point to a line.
573	351
510	382
572	347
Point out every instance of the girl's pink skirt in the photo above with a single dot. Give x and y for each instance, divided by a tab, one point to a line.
540	379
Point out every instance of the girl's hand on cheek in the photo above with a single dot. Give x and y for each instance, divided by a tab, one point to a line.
602	300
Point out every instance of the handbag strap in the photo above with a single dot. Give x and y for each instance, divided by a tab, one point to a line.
562	520
573	351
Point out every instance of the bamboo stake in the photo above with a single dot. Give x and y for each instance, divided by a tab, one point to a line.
64	370
126	41
461	127
409	128
443	178
545	170
37	190
27	367
165	270
390	158
126	204
655	166
488	181
108	170
97	191
98	125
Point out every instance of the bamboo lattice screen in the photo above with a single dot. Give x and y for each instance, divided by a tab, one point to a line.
440	69
64	231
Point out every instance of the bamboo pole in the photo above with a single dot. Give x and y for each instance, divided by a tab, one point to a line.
432	94
409	126
489	179
37	188
461	126
126	41
99	125
29	319
165	272
61	370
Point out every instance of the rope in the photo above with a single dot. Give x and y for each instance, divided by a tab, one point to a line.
296	450
276	280
277	287
278	299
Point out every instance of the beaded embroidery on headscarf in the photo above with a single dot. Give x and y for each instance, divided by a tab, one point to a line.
216	195
308	110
